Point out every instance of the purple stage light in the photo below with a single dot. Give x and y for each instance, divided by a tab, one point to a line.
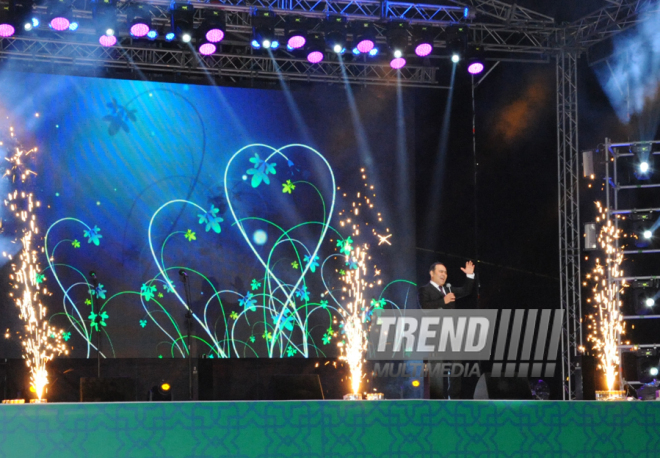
423	49
207	49
315	57
6	30
365	46
398	63
215	35
296	41
139	30
475	68
59	23
107	41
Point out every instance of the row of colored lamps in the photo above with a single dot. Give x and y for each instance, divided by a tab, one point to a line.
18	16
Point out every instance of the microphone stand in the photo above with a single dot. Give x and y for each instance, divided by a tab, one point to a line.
95	283
189	322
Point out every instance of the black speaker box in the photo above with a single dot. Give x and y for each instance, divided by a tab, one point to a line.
295	387
118	389
502	388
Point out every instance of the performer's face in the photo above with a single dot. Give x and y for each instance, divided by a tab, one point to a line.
439	275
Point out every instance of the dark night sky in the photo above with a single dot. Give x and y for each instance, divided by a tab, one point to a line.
517	174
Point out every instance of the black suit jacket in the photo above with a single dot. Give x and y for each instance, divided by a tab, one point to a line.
430	297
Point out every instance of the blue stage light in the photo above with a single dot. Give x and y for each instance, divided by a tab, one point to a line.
152	35
170	36
255	44
373	52
356	51
275	44
73	26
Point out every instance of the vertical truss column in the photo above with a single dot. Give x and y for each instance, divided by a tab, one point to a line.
569	217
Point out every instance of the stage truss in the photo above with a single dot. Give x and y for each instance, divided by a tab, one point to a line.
507	32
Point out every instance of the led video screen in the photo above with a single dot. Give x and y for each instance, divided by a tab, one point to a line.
251	206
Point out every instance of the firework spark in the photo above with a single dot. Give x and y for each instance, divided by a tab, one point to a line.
41	342
355	317
607	323
357	311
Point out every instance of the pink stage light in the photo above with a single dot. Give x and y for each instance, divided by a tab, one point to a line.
315	57
215	36
207	49
60	23
139	30
365	46
107	41
423	49
296	42
6	30
475	68
398	63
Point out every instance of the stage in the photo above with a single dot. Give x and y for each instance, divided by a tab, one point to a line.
332	428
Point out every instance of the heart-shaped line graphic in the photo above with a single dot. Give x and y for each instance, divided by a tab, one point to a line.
328	217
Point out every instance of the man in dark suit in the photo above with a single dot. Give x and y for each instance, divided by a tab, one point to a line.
438	294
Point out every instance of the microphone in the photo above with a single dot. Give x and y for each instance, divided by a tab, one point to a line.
183	274
448	285
95	281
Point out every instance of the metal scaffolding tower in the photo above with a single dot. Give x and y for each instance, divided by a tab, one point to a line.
569	216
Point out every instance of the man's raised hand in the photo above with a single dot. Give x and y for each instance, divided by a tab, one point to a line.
469	268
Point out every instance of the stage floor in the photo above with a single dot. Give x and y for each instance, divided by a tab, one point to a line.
332	428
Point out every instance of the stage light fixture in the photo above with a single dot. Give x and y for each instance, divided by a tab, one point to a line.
104	13
152	34
138	16
213	26
364	37
643	155
456	38
17	16
161	392
642	228
476	63
169	36
107	41
397	40
647	366
263	30
335	34
644	296
315	48
397	63
7	28
295	32
181	21
60	15
423	37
